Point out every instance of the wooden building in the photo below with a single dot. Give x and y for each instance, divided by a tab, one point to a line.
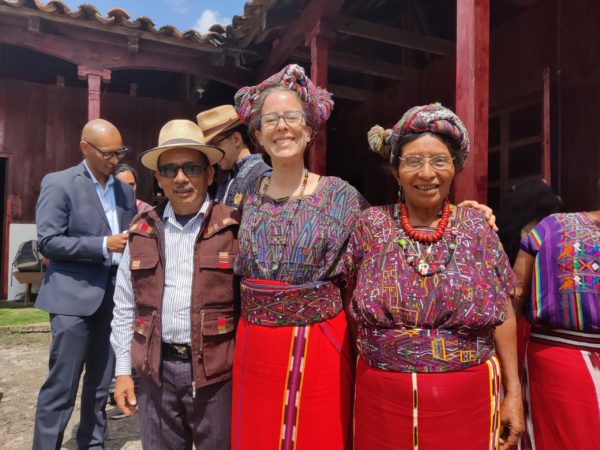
523	75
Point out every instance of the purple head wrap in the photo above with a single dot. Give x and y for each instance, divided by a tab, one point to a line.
433	118
318	101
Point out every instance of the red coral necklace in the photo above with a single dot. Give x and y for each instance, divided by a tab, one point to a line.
418	247
426	238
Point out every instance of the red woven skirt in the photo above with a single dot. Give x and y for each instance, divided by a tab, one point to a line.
562	397
427	411
292	387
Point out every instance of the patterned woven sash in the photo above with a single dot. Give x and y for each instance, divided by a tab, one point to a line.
289	305
566	338
424	350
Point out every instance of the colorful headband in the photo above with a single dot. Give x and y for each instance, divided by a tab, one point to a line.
433	118
318	101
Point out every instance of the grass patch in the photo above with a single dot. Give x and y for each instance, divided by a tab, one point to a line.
15	314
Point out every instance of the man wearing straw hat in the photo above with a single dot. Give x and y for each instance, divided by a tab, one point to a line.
221	126
176	301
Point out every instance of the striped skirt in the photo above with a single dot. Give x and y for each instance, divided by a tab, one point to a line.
561	384
292	386
427	411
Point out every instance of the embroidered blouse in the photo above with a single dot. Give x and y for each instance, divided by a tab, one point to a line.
436	323
297	240
565	283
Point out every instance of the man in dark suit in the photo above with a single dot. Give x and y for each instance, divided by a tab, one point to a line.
80	216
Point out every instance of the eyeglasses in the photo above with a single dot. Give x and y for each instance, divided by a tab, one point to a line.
292	118
416	162
189	169
106	154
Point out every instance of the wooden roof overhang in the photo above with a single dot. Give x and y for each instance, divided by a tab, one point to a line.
372	43
115	42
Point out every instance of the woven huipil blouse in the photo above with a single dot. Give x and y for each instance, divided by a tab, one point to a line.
565	283
437	323
280	240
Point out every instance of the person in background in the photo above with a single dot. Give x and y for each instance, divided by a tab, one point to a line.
176	301
128	174
558	291
223	128
529	201
82	217
436	330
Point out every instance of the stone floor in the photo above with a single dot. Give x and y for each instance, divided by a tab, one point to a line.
23	368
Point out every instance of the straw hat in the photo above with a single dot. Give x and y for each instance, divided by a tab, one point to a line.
180	133
217	120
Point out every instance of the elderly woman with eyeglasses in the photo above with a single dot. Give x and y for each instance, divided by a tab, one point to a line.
293	364
436	330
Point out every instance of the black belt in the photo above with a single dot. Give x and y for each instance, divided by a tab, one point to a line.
180	351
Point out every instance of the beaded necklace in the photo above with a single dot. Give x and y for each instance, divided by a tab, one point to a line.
426	256
281	241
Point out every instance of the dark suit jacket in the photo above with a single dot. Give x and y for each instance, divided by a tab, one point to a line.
71	225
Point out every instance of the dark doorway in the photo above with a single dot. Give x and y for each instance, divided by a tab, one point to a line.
3	182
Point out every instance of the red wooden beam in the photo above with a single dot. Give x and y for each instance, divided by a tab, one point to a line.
319	47
295	35
472	93
546	169
113	57
94	78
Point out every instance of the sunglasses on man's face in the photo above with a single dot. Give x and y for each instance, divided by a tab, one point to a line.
189	169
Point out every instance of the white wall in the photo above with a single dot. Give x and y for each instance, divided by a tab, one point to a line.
17	233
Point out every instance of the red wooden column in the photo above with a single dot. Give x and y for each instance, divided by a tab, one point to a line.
472	93
546	165
319	47
94	78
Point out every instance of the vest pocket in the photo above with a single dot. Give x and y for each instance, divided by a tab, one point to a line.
217	345
221	260
141	350
216	279
143	262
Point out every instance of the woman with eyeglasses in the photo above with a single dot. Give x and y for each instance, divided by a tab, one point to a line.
436	330
293	361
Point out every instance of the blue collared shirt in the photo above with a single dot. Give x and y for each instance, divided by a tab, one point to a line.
106	195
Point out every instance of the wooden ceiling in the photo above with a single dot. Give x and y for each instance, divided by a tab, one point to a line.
372	42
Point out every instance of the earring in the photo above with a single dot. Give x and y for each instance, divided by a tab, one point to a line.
400	194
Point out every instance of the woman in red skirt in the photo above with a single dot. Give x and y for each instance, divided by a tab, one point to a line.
436	331
559	292
293	364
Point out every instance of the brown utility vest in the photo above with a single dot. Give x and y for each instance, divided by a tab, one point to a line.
215	294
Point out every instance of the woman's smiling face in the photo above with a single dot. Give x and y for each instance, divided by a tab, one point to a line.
283	142
425	187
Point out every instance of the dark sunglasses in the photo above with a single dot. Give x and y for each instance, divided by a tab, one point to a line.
189	169
107	154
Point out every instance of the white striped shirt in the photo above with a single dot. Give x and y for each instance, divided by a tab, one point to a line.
176	302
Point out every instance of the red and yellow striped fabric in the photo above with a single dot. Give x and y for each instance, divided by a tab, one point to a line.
427	411
292	387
